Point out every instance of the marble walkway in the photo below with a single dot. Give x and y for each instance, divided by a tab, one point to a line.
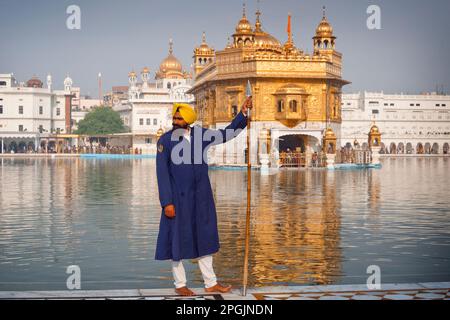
409	291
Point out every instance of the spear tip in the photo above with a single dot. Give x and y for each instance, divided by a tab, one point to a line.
248	91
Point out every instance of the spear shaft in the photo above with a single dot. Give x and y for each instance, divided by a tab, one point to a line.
249	192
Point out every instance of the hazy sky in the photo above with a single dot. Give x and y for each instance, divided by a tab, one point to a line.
409	54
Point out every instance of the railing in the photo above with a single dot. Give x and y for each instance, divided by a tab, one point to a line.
357	156
92	150
299	159
292	159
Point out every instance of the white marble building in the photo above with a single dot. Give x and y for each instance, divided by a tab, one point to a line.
30	113
409	124
149	105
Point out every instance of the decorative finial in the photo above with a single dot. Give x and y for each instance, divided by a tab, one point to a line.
204	37
170	46
243	9
258	22
323	11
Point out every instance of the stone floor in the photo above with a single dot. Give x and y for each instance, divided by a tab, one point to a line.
412	291
409	291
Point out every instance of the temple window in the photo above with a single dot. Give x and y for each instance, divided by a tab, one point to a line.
280	105
293	105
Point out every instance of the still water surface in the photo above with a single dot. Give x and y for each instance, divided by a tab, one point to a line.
308	226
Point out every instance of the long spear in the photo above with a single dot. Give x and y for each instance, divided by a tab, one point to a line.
248	93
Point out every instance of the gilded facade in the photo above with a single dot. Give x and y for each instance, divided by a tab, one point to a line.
296	95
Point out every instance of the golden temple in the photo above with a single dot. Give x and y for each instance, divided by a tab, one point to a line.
295	94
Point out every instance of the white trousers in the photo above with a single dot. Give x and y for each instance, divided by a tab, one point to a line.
206	267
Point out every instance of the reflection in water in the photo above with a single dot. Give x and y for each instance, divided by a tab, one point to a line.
295	227
308	226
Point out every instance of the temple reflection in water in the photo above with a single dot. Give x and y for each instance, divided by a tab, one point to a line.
308	226
295	227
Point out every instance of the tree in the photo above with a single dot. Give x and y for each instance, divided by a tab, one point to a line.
101	120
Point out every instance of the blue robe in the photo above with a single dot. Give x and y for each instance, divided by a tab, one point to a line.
193	232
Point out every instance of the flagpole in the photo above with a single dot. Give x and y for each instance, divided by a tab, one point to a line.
249	192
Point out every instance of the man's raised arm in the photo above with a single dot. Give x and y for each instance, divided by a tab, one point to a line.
236	126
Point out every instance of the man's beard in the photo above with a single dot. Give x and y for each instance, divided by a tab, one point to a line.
176	126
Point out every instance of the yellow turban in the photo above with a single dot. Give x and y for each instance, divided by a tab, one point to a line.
187	112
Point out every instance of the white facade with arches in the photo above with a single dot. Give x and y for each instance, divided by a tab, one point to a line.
409	124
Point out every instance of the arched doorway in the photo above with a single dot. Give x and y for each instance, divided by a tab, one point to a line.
445	148
409	148
401	148
435	148
392	148
427	148
419	148
292	142
383	148
346	153
293	149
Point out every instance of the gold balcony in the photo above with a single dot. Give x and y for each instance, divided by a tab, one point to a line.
290	103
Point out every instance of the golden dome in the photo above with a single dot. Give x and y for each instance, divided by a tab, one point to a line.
145	70
132	74
329	133
244	25
324	28
374	129
264	39
204	48
170	63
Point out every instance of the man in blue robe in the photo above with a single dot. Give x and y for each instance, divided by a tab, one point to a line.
188	226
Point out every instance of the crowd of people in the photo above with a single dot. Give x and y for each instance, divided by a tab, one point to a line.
92	149
289	158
